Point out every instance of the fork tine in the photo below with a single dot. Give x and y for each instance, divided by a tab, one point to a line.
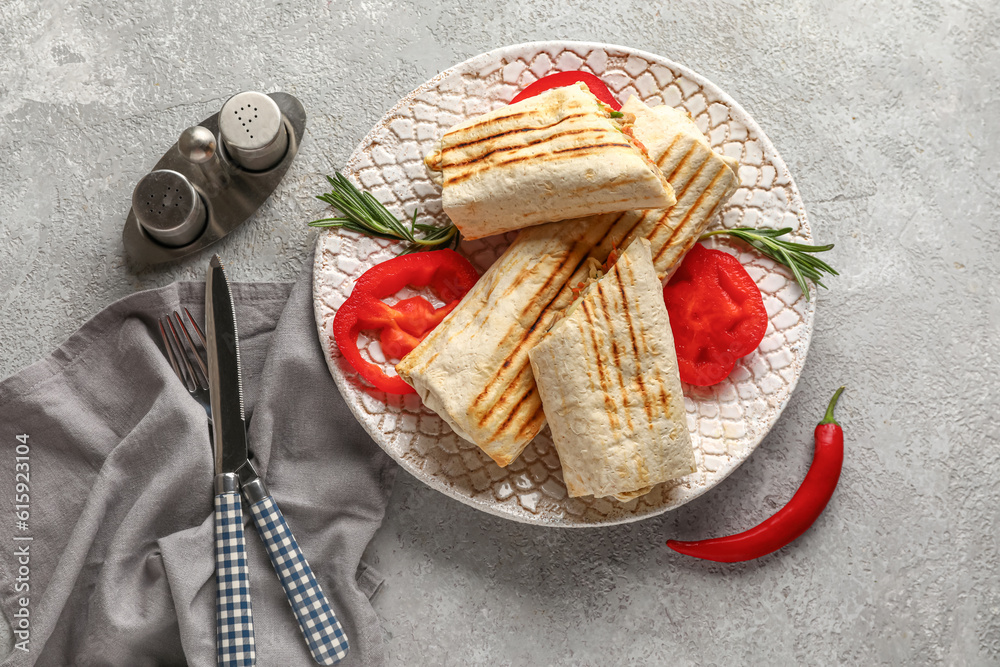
174	352
169	348
197	329
191	379
193	348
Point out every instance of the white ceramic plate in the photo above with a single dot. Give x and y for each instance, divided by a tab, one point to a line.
727	421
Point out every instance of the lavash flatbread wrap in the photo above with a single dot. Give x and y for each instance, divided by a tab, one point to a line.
556	156
473	369
607	376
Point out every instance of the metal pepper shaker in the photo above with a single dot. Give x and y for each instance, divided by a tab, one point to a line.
168	208
252	131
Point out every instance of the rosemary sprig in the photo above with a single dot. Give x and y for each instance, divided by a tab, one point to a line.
796	256
362	213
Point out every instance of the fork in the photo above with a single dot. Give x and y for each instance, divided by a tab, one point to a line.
175	348
323	633
234	614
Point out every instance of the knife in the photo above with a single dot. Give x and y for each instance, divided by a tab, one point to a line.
319	625
234	639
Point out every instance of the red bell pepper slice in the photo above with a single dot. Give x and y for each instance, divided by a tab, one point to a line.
404	325
560	79
717	315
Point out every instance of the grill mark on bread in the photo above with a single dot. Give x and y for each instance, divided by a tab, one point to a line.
513	113
514	383
611	229
666	153
509	391
506	423
545	287
683	160
495	121
664	398
627	236
521	276
486	301
609	405
511	384
518	113
481	304
571	283
638	223
715	209
530	426
550	156
707	162
616	354
643	350
691	209
526	144
535	422
673	231
635	345
528	333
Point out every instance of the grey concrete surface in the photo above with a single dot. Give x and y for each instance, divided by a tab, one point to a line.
887	114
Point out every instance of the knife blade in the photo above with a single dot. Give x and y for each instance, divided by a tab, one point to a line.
225	381
318	623
234	636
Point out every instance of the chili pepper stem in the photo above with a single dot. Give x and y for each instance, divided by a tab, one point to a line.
828	417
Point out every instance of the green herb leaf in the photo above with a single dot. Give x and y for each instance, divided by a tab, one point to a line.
796	256
617	114
362	213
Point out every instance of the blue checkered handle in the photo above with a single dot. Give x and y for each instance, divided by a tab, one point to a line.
233	615
326	639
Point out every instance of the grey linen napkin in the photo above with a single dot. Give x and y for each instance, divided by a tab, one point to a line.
120	565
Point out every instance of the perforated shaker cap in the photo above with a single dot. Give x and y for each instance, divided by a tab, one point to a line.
251	127
168	208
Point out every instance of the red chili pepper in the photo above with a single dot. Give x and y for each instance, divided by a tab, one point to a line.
794	518
717	315
403	326
560	79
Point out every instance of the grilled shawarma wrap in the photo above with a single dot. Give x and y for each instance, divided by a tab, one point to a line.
556	156
608	379
473	369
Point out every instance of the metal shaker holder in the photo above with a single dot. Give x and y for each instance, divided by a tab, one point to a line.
215	177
